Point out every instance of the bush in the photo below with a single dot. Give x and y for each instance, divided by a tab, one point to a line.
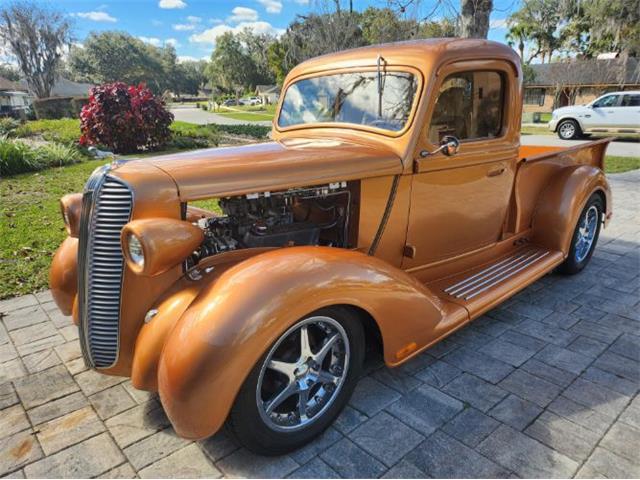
188	143
255	131
16	157
124	118
8	125
57	155
53	108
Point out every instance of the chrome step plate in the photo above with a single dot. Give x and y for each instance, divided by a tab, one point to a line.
496	273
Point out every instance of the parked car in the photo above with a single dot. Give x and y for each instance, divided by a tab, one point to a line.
251	101
230	102
615	112
394	205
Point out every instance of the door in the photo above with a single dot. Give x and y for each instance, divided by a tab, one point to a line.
630	111
604	113
459	203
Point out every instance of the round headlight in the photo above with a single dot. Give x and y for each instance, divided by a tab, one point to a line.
136	254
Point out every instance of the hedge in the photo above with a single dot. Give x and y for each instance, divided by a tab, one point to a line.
255	131
77	103
53	108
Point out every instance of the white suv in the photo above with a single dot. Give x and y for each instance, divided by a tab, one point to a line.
615	112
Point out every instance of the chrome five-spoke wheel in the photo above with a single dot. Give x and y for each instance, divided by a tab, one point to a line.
303	373
586	233
300	383
585	236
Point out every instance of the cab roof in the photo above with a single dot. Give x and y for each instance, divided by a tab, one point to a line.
424	54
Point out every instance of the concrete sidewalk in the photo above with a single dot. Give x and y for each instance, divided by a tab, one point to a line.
546	385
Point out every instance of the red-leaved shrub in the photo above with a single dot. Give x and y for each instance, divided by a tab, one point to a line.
124	118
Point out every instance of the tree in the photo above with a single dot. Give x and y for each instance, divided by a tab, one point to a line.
600	26
191	76
535	25
256	46
231	67
9	72
381	25
36	36
474	18
313	35
113	56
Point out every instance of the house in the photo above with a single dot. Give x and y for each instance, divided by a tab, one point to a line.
66	88
268	93
578	82
13	98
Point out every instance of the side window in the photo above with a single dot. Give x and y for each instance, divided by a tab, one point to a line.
608	101
631	101
470	105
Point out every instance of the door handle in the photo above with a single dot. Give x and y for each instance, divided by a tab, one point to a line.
496	172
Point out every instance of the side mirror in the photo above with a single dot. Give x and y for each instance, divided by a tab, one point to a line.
449	145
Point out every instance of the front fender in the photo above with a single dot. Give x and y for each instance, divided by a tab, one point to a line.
63	275
561	203
233	321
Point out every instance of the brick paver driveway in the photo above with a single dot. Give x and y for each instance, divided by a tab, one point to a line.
544	386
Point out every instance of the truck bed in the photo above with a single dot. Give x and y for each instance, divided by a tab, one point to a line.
591	153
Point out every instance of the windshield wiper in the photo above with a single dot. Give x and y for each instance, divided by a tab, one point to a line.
380	84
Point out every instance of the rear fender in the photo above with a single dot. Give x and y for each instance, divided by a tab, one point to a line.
560	204
233	321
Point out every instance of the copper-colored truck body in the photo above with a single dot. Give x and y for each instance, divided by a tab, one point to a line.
423	227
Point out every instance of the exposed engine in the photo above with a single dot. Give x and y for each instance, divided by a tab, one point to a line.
307	216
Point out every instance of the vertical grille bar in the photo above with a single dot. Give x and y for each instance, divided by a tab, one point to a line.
106	209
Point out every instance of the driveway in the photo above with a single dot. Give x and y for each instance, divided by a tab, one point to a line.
203	117
623	148
546	385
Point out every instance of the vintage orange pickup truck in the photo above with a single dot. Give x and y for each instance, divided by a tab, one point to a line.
394	205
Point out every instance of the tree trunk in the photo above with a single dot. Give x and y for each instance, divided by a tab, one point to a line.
474	18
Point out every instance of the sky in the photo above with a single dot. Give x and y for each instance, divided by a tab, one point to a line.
193	25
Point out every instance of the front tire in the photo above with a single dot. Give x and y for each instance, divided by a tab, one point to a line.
301	384
569	130
585	236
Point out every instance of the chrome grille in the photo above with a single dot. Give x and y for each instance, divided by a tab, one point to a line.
106	209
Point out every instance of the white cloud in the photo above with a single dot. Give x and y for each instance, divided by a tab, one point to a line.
243	14
156	42
192	23
156	23
216	21
498	23
96	16
209	36
271	6
173	42
184	27
170	4
302	2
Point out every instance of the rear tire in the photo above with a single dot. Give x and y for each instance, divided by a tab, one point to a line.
569	130
585	236
311	387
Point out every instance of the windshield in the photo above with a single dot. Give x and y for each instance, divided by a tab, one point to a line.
356	98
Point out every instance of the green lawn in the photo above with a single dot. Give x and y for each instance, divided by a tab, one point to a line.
614	164
249	113
31	227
